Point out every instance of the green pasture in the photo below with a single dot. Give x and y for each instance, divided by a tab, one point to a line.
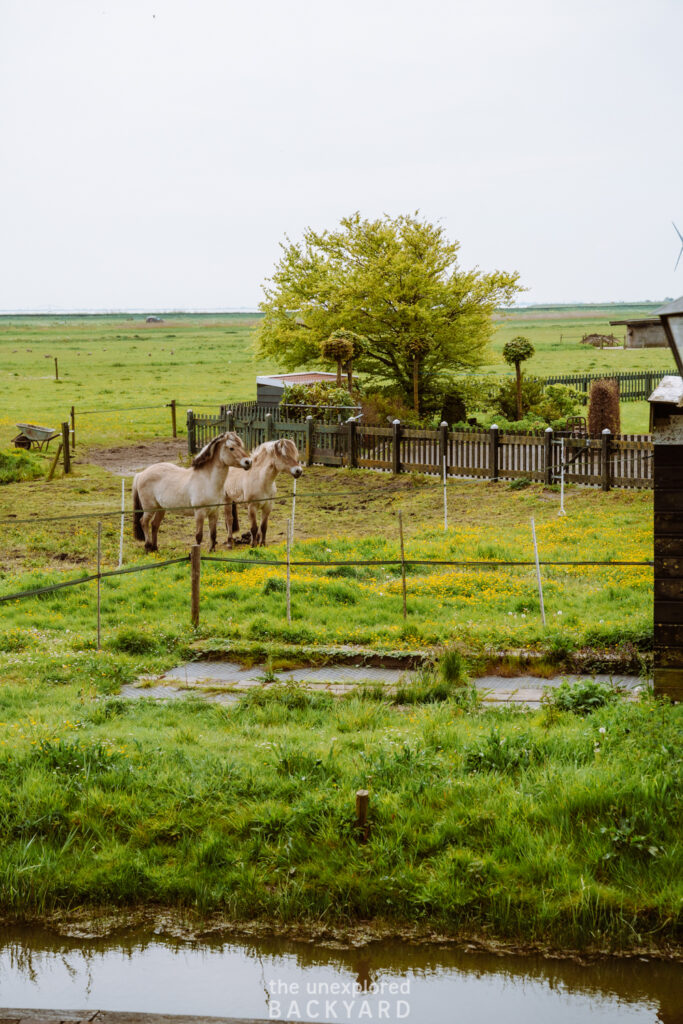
110	363
546	827
342	515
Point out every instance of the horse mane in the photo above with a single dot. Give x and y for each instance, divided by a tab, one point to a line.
208	452
287	446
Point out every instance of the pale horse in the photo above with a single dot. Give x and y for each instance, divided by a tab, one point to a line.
196	491
257	488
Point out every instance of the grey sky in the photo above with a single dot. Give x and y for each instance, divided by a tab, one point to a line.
155	152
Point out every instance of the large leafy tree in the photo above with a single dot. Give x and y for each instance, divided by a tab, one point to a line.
397	283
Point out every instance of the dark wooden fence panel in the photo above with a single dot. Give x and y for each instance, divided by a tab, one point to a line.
469	453
374	447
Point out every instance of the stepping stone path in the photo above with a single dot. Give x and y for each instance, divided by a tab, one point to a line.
225	681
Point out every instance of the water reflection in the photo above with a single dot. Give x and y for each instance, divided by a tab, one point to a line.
300	981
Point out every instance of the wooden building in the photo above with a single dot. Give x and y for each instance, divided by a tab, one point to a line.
647	332
269	388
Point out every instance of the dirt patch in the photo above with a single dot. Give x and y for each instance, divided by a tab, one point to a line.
128	459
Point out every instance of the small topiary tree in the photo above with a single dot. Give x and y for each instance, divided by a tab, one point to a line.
516	352
603	407
342	346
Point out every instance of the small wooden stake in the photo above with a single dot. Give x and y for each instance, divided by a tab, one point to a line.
73	429
173	419
362	803
403	565
56	369
54	462
99	579
289	595
195	571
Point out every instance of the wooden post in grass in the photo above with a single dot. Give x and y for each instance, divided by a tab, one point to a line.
56	369
310	438
270	427
173	419
190	432
73	429
99	580
65	447
606	476
289	594
195	576
362	804
396	447
548	459
352	433
494	450
403	565
54	462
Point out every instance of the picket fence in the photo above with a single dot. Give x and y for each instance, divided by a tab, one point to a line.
623	460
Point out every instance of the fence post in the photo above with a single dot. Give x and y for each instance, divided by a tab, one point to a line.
56	369
495	442
195	574
443	443
270	427
230	416
173	420
396	447
65	447
310	437
606	474
190	432
352	427
548	456
73	429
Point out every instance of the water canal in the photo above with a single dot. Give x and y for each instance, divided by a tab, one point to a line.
277	979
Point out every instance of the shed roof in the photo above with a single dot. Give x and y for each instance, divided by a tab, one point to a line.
278	380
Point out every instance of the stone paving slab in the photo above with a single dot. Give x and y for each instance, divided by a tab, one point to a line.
223	681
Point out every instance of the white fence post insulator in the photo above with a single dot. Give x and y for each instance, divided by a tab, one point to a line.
123	516
538	573
289	595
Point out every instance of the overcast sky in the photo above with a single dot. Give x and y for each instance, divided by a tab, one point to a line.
155	152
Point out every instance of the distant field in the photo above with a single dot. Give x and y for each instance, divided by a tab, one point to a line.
110	362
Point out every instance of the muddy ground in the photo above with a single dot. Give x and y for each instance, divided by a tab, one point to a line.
128	459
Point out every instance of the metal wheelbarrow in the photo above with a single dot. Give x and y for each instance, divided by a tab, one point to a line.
32	436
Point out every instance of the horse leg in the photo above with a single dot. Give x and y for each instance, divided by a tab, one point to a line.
199	526
235	518
265	513
213	525
146	524
156	523
228	522
254	526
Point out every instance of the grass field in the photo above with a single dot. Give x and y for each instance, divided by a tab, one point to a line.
113	362
545	828
345	515
542	827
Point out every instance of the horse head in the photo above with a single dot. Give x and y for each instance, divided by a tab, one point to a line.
227	448
286	457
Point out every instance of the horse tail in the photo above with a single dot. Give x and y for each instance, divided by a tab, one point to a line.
235	520
138	532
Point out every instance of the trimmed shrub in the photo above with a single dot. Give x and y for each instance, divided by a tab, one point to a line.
603	407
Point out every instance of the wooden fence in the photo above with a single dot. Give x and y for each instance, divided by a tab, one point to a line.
623	460
633	386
